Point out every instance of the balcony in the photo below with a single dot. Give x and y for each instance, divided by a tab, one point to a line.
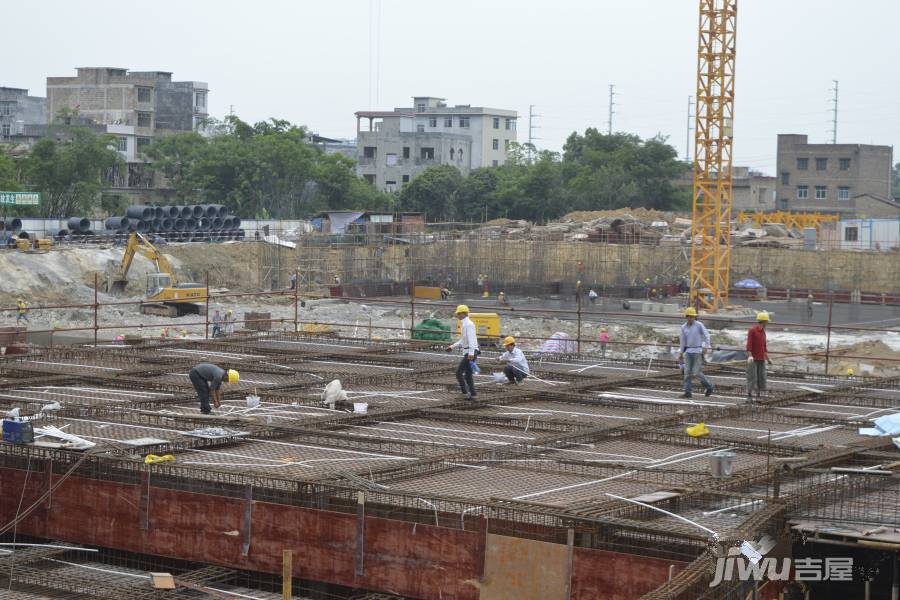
366	161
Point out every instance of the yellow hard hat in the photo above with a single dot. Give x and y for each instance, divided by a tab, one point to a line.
690	312
462	308
230	312
849	372
603	329
233	376
509	340
762	316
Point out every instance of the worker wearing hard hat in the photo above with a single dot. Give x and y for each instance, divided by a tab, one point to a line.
694	341
516	368
468	342
207	379
21	311
758	357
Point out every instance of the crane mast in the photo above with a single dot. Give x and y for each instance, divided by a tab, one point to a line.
713	133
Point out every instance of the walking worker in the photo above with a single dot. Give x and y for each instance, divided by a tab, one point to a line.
516	368
217	324
592	296
468	342
21	311
809	306
759	356
294	280
207	379
230	320
578	288
604	340
694	341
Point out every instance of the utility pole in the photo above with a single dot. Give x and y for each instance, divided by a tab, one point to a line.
834	102
687	139
531	128
612	94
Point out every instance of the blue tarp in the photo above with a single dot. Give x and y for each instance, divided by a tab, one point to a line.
886	425
748	284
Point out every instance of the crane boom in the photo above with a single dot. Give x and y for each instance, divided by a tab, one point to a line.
713	134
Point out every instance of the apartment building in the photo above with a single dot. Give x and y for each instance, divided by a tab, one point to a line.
134	106
22	118
852	180
395	146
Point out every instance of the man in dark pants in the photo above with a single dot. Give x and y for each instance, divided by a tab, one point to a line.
468	342
516	365
207	379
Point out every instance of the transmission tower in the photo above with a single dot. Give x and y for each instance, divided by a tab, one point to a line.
834	102
609	121
713	132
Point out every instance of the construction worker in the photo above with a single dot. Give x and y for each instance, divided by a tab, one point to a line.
501	299
516	368
809	306
207	379
592	296
21	311
230	320
578	291
468	342
759	356
445	292
485	289
604	340
217	324
294	280
694	342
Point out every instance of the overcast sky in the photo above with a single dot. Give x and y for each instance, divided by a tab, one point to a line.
316	62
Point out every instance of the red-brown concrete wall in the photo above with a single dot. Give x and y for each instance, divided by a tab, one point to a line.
420	561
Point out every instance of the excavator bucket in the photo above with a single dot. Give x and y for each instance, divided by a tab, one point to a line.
117	286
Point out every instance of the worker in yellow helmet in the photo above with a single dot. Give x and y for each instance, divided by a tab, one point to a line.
21	311
468	342
208	379
516	368
758	356
694	342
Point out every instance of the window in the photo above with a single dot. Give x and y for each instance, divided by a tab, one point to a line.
821	192
802	164
142	143
511	124
506	145
426	153
843	193
851	234
495	144
845	164
464	122
432	122
144	119
496	122
370	178
785	178
459	155
420	107
802	192
406	179
420	128
405	151
390	186
145	94
821	164
391	159
5	130
200	100
494	163
448	121
7	108
369	152
452	153
122	144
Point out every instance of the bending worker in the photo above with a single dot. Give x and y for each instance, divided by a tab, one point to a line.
694	341
516	368
207	379
759	356
468	341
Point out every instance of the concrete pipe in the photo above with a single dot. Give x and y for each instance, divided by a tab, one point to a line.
227	223
203	224
156	224
191	224
179	224
143	226
166	224
222	211
235	222
79	224
158	212
197	211
239	235
185	212
171	211
14	224
116	223
210	210
139	211
23	235
216	224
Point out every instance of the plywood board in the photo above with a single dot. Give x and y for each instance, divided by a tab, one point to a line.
520	569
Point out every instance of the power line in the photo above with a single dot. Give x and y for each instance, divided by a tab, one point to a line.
834	111
609	121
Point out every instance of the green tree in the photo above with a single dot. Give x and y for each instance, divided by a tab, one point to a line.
9	178
895	181
67	169
434	193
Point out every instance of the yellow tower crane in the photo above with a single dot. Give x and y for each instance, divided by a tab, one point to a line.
711	228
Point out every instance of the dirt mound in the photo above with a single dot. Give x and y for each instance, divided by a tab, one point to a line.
644	215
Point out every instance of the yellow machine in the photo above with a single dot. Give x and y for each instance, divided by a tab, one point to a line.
172	299
42	245
487	326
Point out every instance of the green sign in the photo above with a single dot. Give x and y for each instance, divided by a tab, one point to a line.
20	198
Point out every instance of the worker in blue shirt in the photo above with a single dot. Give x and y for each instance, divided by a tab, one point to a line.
694	342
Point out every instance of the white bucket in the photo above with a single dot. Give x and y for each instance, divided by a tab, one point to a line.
361	407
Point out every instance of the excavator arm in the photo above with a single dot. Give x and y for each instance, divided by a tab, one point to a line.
137	243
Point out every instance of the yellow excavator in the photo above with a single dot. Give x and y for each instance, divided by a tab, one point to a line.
166	296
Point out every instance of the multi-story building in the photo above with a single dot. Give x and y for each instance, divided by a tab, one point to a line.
134	106
22	119
751	190
851	180
399	144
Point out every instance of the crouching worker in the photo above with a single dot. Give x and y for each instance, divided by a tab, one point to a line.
207	379
516	368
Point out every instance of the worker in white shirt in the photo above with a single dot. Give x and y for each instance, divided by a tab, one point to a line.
468	342
516	368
